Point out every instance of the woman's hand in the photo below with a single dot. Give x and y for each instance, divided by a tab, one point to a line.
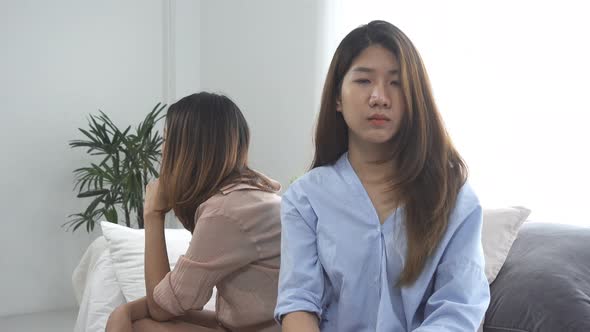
120	320
156	202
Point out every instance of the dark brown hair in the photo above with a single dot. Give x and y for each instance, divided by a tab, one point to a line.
206	148
429	171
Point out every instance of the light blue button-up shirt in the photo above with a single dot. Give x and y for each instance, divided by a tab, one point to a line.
339	262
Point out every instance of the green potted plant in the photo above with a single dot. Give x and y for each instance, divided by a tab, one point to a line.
115	184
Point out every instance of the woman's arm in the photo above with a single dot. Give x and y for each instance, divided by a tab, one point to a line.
156	262
138	309
219	247
156	265
300	321
301	277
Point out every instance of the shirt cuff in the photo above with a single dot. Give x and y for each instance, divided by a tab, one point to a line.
164	296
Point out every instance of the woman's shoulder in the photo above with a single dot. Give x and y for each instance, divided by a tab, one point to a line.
240	200
466	204
299	190
245	195
314	178
467	197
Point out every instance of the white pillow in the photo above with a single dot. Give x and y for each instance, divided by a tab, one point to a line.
126	246
500	228
102	295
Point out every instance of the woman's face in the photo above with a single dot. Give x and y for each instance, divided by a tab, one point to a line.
371	98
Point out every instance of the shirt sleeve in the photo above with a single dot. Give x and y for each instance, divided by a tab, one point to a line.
301	277
218	248
461	291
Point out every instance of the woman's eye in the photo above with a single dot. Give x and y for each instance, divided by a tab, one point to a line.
362	81
396	83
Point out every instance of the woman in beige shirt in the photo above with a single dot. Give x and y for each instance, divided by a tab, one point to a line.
234	215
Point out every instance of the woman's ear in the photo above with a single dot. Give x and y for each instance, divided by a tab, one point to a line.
338	105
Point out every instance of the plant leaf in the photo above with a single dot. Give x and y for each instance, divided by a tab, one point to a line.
91	193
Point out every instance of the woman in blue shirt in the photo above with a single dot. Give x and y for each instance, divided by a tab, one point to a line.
383	233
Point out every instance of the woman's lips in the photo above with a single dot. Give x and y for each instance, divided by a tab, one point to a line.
378	120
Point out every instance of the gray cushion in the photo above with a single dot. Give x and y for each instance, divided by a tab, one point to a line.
544	285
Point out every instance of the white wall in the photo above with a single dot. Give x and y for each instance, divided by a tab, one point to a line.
60	61
264	54
187	42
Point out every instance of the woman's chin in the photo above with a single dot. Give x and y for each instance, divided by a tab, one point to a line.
379	139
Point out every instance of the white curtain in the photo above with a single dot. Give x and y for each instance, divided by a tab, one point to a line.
512	81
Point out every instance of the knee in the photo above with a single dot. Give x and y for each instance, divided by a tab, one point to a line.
142	324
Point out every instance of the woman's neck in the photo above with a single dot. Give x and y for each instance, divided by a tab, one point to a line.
371	162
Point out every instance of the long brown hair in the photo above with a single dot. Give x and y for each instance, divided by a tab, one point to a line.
429	171
206	148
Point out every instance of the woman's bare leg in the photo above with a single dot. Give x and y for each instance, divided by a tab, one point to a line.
149	325
206	318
